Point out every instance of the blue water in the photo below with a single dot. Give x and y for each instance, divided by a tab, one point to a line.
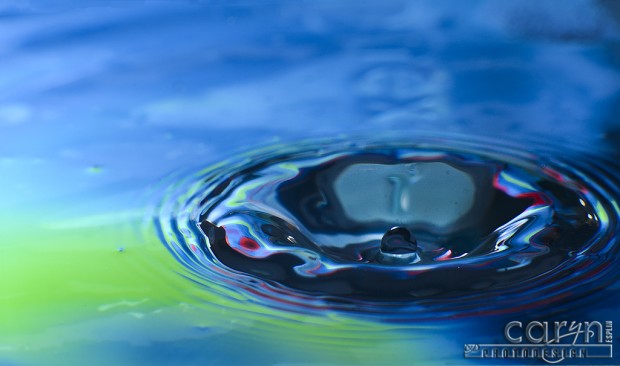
160	85
131	92
400	231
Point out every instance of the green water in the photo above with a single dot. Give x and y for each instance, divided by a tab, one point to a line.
77	295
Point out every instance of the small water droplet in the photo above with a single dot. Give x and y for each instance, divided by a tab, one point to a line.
398	246
398	240
95	169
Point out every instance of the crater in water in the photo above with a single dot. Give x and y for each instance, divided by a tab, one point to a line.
414	229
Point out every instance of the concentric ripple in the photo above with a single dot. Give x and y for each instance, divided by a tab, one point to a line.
414	229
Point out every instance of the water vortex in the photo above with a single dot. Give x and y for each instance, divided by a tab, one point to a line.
398	229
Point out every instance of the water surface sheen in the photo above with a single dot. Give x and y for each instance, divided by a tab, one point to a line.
158	208
431	227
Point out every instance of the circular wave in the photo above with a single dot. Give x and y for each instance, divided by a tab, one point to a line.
400	229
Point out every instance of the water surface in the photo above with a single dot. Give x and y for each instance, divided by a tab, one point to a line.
111	113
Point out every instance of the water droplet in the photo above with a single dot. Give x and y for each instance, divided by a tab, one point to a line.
398	246
398	240
95	169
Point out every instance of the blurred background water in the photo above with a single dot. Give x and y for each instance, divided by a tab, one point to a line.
101	101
